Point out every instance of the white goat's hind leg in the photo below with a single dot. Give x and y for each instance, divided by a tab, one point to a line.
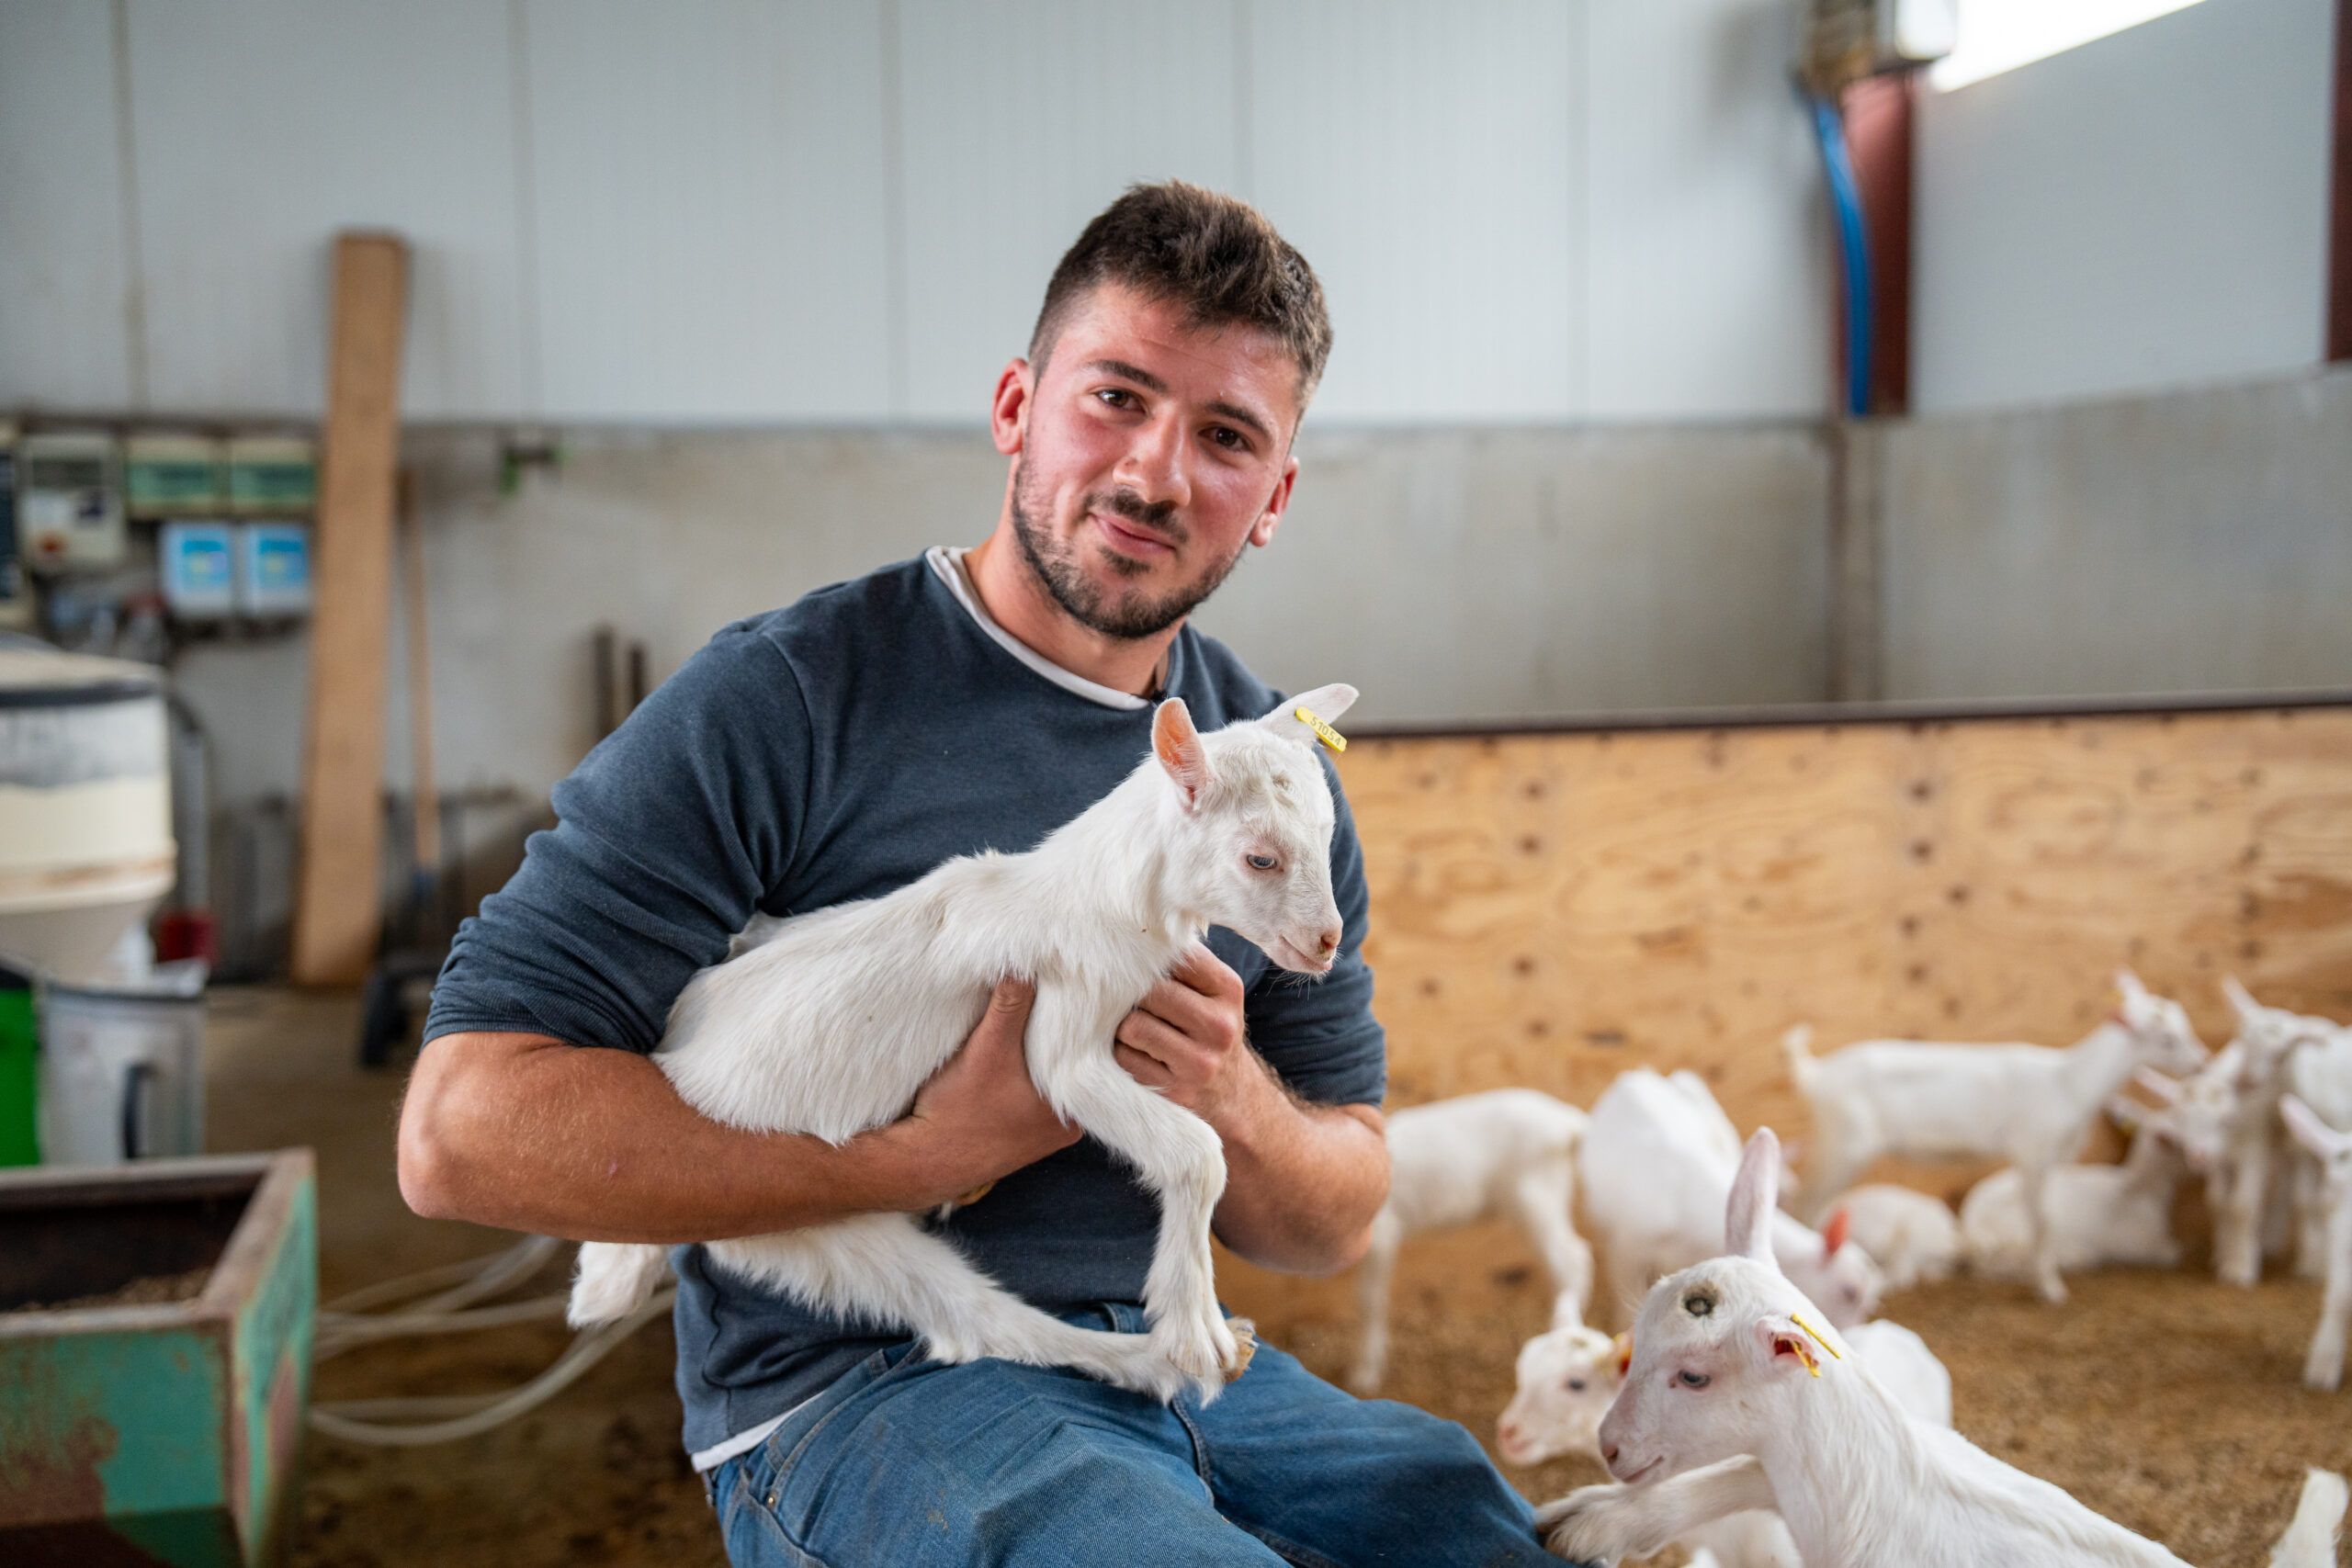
1182	1159
2323	1365
2046	1277
1602	1524
1542	1197
1372	1301
2238	1244
886	1270
614	1279
2310	1195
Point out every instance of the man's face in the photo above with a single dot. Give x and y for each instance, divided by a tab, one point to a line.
1149	453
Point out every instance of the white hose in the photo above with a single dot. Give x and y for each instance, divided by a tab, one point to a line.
342	1326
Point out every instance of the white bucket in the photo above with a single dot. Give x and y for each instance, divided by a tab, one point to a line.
122	1075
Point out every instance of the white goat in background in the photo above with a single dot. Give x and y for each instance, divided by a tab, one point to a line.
1913	1237
831	1025
2323	1365
1741	1395
2099	1214
1456	1162
2032	1104
1657	1159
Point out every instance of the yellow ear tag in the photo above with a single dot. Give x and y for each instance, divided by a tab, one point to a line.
1817	1339
1323	732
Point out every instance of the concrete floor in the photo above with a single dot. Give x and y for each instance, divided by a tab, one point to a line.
595	1477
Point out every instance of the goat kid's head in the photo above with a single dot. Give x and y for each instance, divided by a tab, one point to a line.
2332	1148
1719	1348
2207	1108
2159	1027
1253	834
2268	1033
1567	1379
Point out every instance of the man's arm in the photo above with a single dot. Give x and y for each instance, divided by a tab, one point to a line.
1303	1182
526	1132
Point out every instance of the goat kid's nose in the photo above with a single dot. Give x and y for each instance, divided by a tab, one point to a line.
1328	942
1609	1456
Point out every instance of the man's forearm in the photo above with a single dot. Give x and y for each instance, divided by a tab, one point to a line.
529	1134
1303	1183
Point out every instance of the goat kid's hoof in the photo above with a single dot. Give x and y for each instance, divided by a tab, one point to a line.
2322	1373
1245	1347
1594	1524
2053	1291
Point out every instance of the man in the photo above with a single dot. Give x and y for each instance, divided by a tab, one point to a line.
841	748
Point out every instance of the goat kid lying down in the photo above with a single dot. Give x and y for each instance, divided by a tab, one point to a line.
829	1025
1742	1395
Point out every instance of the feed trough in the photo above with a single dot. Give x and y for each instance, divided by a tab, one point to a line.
156	1326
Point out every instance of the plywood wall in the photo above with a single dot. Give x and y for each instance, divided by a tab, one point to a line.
1552	909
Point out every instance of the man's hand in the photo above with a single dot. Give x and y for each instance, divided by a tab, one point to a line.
980	1118
1187	1040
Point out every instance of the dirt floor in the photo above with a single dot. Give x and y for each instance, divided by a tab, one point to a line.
2166	1401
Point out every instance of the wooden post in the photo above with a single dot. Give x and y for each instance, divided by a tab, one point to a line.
338	894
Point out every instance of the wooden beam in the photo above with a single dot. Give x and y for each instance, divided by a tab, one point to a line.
2339	244
338	896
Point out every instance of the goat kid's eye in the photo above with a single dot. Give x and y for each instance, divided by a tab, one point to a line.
1694	1379
1576	1385
1264	862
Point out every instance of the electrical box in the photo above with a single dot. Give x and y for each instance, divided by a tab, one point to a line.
197	564
1850	39
173	476
69	503
273	476
273	570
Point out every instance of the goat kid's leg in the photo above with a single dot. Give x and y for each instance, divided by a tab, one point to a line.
2237	1250
1543	1198
2323	1365
884	1269
612	1280
1602	1524
2046	1278
2308	1191
1372	1302
1182	1159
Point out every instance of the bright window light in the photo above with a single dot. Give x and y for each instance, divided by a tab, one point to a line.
2001	35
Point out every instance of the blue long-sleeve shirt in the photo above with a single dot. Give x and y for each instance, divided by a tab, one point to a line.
836	750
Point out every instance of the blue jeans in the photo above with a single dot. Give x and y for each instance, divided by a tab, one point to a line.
907	1464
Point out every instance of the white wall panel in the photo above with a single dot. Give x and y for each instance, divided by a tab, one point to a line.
262	127
2146	211
1709	284
1427	162
711	198
1022	118
63	281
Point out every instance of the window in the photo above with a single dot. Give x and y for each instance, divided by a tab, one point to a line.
2001	35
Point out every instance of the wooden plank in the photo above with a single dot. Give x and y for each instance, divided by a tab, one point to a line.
1552	909
337	903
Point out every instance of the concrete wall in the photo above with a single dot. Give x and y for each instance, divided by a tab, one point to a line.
2194	541
2146	211
1451	576
830	213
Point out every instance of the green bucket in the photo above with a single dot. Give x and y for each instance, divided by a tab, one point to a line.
20	1072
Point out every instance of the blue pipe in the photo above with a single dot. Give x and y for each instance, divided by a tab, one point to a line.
1853	246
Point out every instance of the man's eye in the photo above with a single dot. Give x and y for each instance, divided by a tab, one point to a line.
1694	1379
1229	438
1116	397
1263	862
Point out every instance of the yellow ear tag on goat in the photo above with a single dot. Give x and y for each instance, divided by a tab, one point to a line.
1817	1339
1323	732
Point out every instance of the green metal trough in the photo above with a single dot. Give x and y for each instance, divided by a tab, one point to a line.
155	1434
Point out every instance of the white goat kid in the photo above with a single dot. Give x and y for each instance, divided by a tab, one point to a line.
1657	1159
2323	1365
1910	1235
1741	1395
2099	1214
2032	1104
2240	1147
831	1025
1456	1162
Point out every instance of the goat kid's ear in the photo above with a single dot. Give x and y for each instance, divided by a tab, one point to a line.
1623	1345
1326	703
2128	986
2241	1001
1834	1233
2310	1130
1755	1193
2166	1088
1178	745
1787	1347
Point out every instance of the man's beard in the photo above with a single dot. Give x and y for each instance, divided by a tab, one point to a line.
1128	617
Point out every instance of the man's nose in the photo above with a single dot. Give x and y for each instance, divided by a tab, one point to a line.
1155	465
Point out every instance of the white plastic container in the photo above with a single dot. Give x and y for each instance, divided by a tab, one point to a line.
122	1075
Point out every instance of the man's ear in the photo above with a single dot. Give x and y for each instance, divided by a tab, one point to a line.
1787	1347
1178	745
1261	532
1008	410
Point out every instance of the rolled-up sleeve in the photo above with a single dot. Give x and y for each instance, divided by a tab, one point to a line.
666	838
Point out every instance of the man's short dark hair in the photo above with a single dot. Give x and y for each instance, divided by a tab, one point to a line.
1216	256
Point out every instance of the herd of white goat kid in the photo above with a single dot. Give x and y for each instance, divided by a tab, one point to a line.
1651	1168
1753	1411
